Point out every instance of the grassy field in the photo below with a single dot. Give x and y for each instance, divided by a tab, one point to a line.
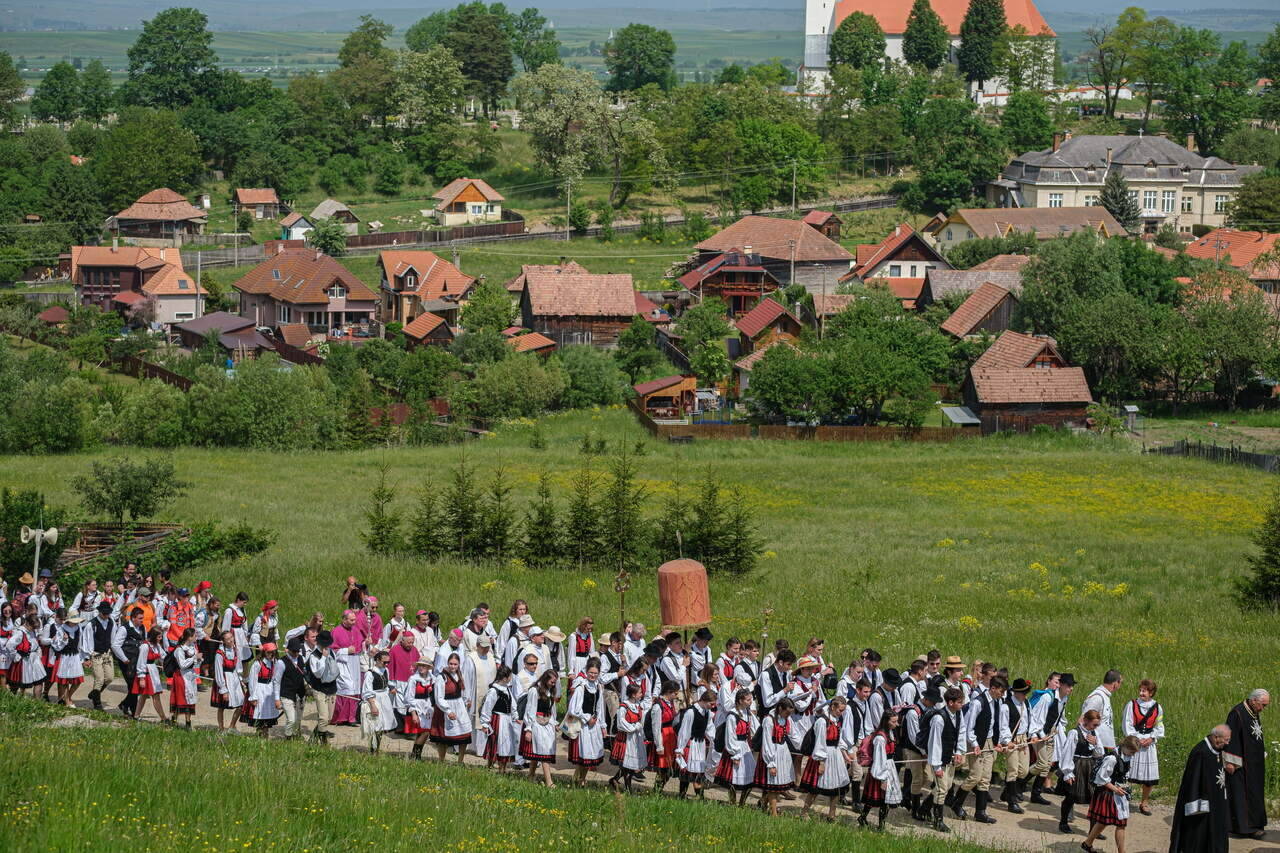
71	794
1038	553
1255	431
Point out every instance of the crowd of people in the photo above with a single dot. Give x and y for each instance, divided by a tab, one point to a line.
930	738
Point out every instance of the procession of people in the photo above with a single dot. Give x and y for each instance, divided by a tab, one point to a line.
932	738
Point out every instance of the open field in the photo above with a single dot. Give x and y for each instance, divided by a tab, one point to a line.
1039	553
1257	431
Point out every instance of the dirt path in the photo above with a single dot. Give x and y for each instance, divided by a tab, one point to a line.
1037	829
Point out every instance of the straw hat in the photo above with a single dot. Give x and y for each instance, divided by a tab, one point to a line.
953	662
806	662
526	621
424	662
26	578
73	620
555	635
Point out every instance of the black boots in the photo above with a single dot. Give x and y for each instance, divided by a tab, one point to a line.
957	804
980	810
1013	794
862	818
1064	822
95	696
921	805
881	815
1037	792
416	752
937	819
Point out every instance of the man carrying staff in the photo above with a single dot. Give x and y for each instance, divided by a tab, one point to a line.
1245	757
1200	816
1100	700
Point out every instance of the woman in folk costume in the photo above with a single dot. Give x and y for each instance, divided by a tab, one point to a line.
208	634
228	689
586	708
581	647
1110	803
27	670
49	629
379	713
638	674
451	725
419	705
68	671
498	735
1080	750
660	726
628	751
831	748
695	739
479	665
148	680
234	620
774	771
1144	719
805	692
7	629
881	788
266	626
182	689
538	741
401	661
348	645
394	627
737	767
85	604
264	689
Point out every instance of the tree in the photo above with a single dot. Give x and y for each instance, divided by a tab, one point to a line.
1256	205
593	378
969	253
430	87
543	540
12	89
428	31
1207	93
1179	356
481	347
982	33
1118	201
925	41
329	236
955	151
170	59
532	41
1252	145
96	92
143	150
497	516
706	321
364	42
462	511
366	72
1108	59
1238	328
479	39
29	508
1026	60
858	42
57	98
489	308
582	521
1148	42
1026	122
1268	67
637	55
620	511
383	536
637	353
1262	590
73	199
426	538
710	363
121	487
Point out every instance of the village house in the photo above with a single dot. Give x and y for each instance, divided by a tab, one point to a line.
904	253
522	340
1171	184
988	310
299	336
147	282
1241	249
1022	381
516	285
1002	270
826	222
416	281
1046	223
428	329
54	315
295	226
737	277
306	286
578	308
762	325
263	203
332	209
788	248
669	398
468	200
236	335
161	217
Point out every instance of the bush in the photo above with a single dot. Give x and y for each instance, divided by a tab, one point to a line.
594	378
520	386
119	487
28	507
244	221
1261	591
210	541
579	216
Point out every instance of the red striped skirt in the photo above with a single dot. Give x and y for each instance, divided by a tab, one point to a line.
412	724
143	686
872	791
575	758
1102	809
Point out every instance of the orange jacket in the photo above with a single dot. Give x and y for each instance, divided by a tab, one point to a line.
181	616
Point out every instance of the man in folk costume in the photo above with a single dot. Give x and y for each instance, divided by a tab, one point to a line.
99	632
1017	761
914	684
948	742
1245	757
861	724
322	678
1201	814
293	686
673	665
125	643
917	780
772	684
700	653
611	670
348	643
511	652
1100	700
747	669
988	723
695	741
885	697
1047	725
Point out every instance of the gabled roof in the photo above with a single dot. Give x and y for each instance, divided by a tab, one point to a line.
302	276
581	294
54	314
1241	248
734	260
892	14
1003	263
906	289
516	284
257	196
650	310
531	342
1046	222
771	237
1014	350
762	316
162	205
974	310
646	388
423	325
1030	385
330	207
944	282
872	255
748	362
295	334
162	268
128	297
818	218
830	304
437	278
293	218
455	187
222	322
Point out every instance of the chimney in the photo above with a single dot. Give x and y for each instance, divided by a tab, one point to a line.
162	253
897	230
746	250
1108	157
115	244
318	254
1191	142
280	247
1057	141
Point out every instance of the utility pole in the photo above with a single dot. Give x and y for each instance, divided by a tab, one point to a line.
793	186
197	313
568	205
822	312
453	247
792	244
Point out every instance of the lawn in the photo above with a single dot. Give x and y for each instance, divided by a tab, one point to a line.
1038	553
1257	431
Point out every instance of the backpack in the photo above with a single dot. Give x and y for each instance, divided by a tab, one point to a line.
864	751
719	740
922	736
170	665
521	704
810	740
757	739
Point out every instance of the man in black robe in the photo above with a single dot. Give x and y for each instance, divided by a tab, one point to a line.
1245	758
1200	816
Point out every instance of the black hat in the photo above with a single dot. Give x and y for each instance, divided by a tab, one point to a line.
1067	679
324	639
654	650
1021	685
933	695
703	634
892	678
294	645
104	608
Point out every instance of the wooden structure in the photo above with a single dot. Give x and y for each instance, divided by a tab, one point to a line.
766	323
428	329
262	202
668	397
160	215
417	280
684	598
97	540
468	200
825	222
738	277
988	309
578	308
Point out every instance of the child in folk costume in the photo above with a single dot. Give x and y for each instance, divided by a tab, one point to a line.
775	772
148	681
628	751
264	689
451	725
419	705
728	660
538	740
1081	749
581	647
805	692
182	689
1144	719
498	735
881	788
1017	761
50	628
695	741
830	749
27	669
586	714
234	620
68	668
1110	803
379	713
228	689
737	767
660	726
7	629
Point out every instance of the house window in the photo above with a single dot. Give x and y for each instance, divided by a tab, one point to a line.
1167	199
913	270
1055	199
1220	204
1091	200
895	270
183	315
275	274
1187	202
489	208
183	284
284	313
477	209
1149	200
948	233
411	281
316	318
1133	194
337	292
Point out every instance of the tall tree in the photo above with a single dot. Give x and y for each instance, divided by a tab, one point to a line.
925	41
1208	88
73	199
96	92
366	73
1027	60
954	151
639	54
11	90
533	42
429	87
1108	64
428	31
366	41
1119	201
1026	122
58	96
1268	67
858	42
170	57
982	35
1148	42
1256	205
144	150
478	38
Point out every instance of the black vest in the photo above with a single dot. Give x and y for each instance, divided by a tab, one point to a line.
777	680
1120	772
982	723
1051	716
1015	716
329	688
379	680
102	636
950	734
293	684
503	703
133	640
1084	749
589	700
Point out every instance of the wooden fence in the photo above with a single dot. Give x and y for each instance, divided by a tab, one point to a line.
100	539
1232	455
140	369
289	352
690	432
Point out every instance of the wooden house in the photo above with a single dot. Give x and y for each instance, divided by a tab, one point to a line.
428	329
825	222
578	308
468	200
262	202
988	309
737	277
236	334
525	341
1021	381
332	209
123	278
788	248
904	253
516	285
766	323
415	280
669	397
161	215
1014	349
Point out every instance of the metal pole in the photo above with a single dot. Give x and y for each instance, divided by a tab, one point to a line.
793	186
568	205
197	314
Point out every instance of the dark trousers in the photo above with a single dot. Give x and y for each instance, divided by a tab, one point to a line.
130	703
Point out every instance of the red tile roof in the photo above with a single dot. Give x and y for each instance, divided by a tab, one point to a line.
748	362
1031	385
423	325
1014	350
455	187
295	334
163	267
532	342
581	294
516	284
906	289
771	237
437	278
128	297
1242	247
257	196
1006	263
817	217
646	388
872	255
302	276
650	310
735	260
974	309
761	317
162	205
892	14
54	314
830	304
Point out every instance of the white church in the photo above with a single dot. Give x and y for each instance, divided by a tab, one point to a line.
822	17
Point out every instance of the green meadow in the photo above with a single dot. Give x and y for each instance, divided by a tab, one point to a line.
1037	553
